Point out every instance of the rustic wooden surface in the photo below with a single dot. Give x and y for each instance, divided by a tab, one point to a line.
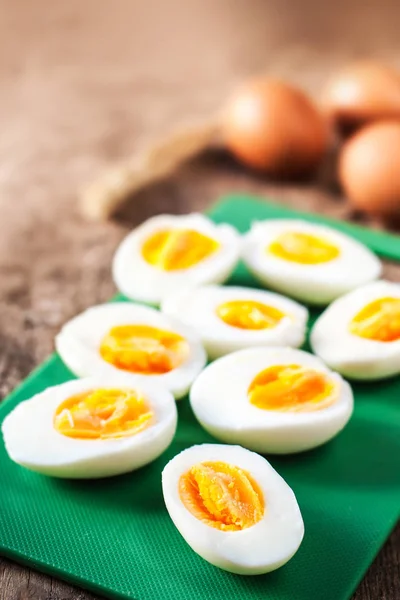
84	84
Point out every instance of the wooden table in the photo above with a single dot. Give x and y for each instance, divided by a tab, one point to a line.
84	84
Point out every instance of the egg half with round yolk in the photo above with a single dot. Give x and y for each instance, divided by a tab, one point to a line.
312	263
359	334
231	318
91	427
135	340
232	508
271	400
170	252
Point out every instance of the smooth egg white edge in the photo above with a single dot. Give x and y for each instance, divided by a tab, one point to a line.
314	284
138	280
353	356
79	340
197	306
262	548
219	401
32	441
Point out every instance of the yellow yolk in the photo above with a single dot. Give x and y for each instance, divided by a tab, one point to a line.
144	349
222	496
291	388
379	320
303	248
103	414
247	314
174	249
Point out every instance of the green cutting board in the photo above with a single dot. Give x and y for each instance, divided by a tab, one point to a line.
115	537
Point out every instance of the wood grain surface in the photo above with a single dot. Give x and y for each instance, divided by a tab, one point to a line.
85	84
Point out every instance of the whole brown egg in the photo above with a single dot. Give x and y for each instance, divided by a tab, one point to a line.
361	93
369	168
274	127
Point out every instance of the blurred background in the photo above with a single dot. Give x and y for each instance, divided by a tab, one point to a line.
85	84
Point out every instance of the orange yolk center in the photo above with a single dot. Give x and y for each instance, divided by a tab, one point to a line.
103	414
144	349
174	249
379	320
303	248
222	496
291	388
247	314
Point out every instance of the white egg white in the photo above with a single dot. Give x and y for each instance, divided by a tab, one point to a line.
315	284
197	307
139	280
354	356
263	547
32	441
79	340
219	399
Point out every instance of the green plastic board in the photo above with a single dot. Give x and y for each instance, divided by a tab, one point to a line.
115	537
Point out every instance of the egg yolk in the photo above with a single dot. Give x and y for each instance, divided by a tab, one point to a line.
144	349
378	321
303	248
291	388
174	249
221	495
103	414
247	314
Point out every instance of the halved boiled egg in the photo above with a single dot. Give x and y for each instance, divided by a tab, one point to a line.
313	263
271	400
135	340
91	428
231	318
359	334
232	508
170	252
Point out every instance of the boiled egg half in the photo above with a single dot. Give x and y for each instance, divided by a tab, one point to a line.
231	318
91	428
135	340
170	252
359	334
271	400
312	263
232	508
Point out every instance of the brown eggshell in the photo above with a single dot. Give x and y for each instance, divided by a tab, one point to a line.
369	168
361	93
274	127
